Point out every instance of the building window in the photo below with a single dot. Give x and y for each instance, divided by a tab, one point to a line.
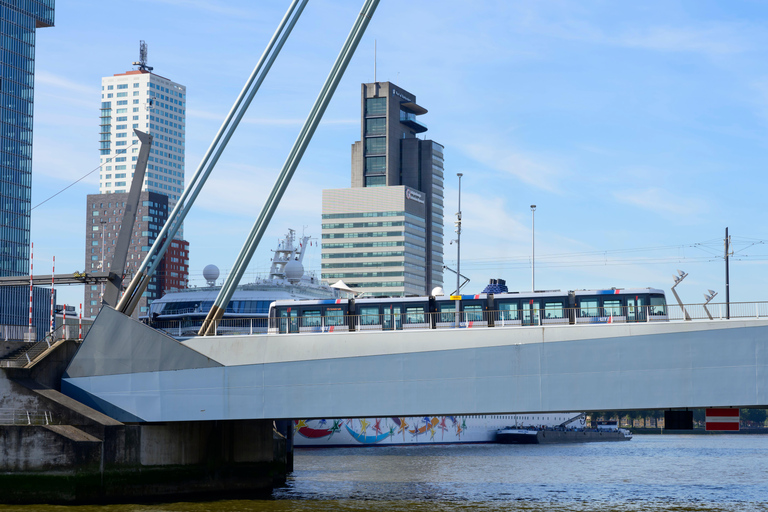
375	145
375	106
377	126
375	181
375	165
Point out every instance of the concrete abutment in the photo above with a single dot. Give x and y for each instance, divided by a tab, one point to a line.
84	456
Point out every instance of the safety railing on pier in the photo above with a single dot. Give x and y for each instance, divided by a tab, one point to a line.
29	354
17	333
509	318
24	417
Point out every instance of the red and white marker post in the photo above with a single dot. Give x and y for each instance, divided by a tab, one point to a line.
722	419
31	268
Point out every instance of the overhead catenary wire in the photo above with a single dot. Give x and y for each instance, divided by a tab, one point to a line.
81	178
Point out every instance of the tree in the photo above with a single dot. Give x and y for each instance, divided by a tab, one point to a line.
754	416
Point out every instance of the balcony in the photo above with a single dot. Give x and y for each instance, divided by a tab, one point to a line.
410	120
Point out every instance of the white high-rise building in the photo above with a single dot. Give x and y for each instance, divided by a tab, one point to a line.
153	104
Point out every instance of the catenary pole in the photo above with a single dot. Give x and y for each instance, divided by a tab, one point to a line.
284	178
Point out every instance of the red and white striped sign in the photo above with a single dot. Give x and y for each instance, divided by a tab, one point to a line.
723	419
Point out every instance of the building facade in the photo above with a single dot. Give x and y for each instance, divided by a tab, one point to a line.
384	235
103	223
142	100
18	24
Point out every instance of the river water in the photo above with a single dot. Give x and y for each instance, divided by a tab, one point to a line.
648	473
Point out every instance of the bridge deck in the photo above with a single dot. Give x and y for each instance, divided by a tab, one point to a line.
142	375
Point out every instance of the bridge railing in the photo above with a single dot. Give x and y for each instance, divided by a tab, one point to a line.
225	326
28	355
508	318
24	417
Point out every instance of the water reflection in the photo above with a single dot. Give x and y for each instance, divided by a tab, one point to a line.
650	473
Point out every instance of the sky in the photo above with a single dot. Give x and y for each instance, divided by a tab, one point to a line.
638	129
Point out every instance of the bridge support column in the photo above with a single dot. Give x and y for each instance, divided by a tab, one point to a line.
184	460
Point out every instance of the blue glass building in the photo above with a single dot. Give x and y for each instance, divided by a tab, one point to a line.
19	19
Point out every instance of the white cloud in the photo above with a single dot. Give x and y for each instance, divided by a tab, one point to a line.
209	6
264	121
659	200
713	40
534	170
45	79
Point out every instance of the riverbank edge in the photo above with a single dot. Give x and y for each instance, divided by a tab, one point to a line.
696	431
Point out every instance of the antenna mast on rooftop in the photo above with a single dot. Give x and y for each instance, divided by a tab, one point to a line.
142	62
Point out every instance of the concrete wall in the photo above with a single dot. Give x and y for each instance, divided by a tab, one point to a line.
88	457
7	346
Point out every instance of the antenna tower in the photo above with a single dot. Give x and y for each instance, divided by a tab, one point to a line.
142	62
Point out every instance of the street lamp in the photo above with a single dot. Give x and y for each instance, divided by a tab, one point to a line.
533	249
707	300
458	255
679	279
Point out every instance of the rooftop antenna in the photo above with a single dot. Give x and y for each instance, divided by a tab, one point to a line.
374	61
142	62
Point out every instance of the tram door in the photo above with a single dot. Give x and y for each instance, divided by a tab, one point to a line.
288	321
636	310
391	318
531	312
293	320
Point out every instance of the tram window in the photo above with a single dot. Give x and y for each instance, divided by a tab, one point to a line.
612	307
473	312
414	315
589	308
658	306
447	312
334	317
369	315
508	311
311	318
553	310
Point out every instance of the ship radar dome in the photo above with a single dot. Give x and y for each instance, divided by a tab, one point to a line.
294	271
211	274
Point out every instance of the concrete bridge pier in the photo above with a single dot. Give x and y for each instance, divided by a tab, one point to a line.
70	453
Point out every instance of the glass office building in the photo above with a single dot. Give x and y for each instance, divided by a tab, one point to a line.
19	19
384	235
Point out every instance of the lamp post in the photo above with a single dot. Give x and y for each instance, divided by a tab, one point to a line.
707	300
458	255
533	249
679	279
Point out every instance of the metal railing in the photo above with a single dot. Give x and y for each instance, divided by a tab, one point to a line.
18	333
29	355
470	319
24	417
223	327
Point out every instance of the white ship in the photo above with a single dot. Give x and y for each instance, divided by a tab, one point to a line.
181	313
412	430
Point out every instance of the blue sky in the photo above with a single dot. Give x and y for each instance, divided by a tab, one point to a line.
638	129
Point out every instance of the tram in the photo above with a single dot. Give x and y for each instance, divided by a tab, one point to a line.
482	310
